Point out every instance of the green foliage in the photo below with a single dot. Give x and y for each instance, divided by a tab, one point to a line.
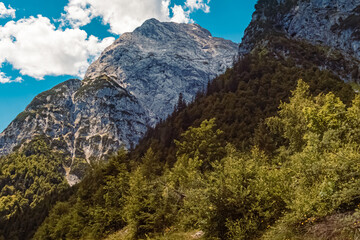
198	151
324	170
93	85
202	143
146	208
30	179
290	123
79	167
97	207
226	192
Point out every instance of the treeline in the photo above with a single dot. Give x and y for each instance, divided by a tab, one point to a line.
226	192
240	100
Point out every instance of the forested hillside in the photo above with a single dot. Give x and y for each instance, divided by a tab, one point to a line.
228	193
225	164
228	162
31	181
268	150
243	97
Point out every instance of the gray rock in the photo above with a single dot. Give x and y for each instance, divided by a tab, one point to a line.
135	82
334	24
160	60
49	113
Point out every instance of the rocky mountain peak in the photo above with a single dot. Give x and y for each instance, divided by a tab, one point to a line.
157	30
132	85
160	60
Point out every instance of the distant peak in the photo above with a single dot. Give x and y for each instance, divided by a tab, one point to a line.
156	29
149	26
152	21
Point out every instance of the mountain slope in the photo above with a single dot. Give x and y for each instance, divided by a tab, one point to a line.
240	100
134	83
49	113
164	186
328	27
160	60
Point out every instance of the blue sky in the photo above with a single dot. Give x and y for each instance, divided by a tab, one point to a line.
43	43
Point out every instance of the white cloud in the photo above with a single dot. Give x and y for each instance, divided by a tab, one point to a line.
198	4
6	12
121	15
126	15
37	48
180	15
6	79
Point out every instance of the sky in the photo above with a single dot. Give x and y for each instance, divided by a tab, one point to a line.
43	43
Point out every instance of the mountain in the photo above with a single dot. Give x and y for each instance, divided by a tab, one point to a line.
160	60
325	33
314	40
134	84
259	154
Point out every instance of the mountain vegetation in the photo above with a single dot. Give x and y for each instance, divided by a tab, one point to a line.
31	180
225	163
228	162
269	150
241	99
226	192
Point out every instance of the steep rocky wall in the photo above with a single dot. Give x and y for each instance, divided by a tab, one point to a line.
134	83
333	25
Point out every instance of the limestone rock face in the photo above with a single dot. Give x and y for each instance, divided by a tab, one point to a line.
331	25
49	113
160	60
135	82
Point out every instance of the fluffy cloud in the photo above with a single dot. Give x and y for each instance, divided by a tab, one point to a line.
6	12
180	15
126	15
37	48
198	4
6	79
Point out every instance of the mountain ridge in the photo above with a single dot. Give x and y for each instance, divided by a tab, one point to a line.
328	25
133	85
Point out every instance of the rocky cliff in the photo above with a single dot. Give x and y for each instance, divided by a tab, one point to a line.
160	60
135	82
327	30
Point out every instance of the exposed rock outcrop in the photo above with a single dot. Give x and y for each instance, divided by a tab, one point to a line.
332	26
134	83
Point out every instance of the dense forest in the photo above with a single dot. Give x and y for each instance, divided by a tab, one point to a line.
259	154
31	181
226	192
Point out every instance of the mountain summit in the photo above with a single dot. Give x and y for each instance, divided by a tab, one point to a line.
159	60
135	82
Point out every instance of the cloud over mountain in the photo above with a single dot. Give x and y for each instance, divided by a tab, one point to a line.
37	48
125	15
